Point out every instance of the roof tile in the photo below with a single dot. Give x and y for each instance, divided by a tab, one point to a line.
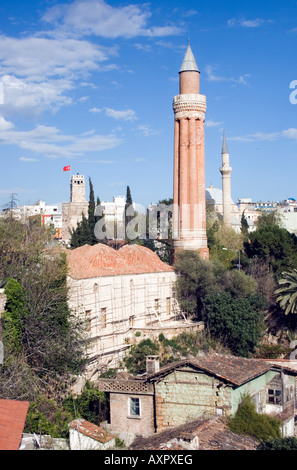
101	260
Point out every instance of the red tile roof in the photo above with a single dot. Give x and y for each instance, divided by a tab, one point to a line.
91	430
101	260
213	434
232	369
12	421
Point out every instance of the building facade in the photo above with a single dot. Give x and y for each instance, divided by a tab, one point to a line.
205	386
125	296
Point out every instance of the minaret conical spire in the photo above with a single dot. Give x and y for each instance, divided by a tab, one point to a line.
225	146
189	63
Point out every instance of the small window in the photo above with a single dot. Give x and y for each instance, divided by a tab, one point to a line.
157	306
274	396
103	317
134	407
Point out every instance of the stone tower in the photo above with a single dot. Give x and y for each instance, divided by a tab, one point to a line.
189	209
78	188
72	211
226	171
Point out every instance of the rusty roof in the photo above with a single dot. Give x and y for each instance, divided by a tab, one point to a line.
231	369
213	434
99	260
12	421
91	430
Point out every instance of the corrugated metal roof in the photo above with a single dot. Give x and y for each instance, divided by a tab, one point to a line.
12	421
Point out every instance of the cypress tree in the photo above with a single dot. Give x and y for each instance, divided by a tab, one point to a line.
128	208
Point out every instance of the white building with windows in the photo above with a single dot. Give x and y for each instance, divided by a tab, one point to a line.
124	296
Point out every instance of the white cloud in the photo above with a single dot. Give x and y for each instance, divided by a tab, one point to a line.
98	17
212	76
95	110
210	123
29	159
266	136
39	73
5	125
37	57
256	23
51	143
147	131
127	115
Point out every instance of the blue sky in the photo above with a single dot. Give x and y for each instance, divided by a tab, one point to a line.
90	83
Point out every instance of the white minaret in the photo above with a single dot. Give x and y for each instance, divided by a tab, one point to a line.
226	171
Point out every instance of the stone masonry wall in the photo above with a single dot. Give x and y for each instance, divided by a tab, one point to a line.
187	395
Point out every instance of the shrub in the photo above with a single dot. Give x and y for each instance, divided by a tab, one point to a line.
248	422
287	443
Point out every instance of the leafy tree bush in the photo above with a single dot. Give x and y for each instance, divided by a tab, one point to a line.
236	322
43	343
89	405
195	281
286	443
275	246
287	292
135	361
248	422
45	416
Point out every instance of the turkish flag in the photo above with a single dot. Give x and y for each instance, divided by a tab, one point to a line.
66	168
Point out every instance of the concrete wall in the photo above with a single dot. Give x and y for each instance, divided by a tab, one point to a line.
185	395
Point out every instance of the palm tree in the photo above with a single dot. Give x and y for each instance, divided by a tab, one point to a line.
287	291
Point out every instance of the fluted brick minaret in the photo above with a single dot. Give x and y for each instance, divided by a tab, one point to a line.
226	171
189	217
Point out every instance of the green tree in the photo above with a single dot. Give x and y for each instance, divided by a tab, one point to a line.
287	292
89	405
285	443
195	280
269	219
135	361
14	315
244	226
82	234
248	422
274	246
129	211
237	322
39	330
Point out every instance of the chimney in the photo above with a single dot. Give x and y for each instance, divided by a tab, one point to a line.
152	364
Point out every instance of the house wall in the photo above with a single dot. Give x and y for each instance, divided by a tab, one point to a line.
123	423
253	388
114	307
79	441
185	395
